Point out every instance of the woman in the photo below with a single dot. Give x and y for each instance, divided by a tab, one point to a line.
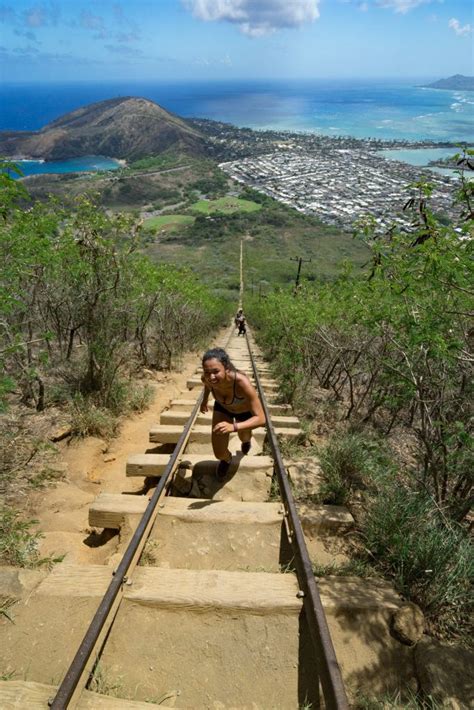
236	407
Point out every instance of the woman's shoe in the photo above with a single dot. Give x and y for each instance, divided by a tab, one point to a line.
246	447
222	469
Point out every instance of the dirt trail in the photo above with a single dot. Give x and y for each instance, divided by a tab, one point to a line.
95	466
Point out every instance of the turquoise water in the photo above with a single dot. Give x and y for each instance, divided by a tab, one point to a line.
89	163
418	156
421	157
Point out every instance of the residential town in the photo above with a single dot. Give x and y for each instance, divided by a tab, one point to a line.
340	184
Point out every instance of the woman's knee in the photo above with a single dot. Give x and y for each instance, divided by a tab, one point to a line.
220	446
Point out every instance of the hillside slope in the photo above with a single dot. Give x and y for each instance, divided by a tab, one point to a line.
458	82
118	128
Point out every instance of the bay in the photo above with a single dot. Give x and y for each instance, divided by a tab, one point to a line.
89	163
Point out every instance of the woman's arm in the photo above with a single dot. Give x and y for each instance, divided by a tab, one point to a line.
255	407
204	406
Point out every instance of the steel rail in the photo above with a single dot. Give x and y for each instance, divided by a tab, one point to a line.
76	669
328	670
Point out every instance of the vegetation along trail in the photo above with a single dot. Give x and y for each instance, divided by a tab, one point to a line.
215	582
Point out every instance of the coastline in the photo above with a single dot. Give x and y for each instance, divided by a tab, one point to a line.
87	164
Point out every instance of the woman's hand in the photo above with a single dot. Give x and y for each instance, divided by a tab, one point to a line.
223	428
204	408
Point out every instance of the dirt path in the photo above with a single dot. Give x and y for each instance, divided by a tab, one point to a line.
93	466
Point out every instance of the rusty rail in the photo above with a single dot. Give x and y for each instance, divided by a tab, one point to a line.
328	669
79	664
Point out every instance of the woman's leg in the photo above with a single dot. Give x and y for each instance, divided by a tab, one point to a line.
245	437
220	442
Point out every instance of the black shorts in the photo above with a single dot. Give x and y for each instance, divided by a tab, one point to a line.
238	416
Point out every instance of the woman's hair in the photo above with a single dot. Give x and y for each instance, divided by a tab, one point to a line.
220	355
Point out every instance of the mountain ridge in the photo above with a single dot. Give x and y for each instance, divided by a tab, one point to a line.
124	128
457	81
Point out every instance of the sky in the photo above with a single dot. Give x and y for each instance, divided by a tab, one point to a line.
181	40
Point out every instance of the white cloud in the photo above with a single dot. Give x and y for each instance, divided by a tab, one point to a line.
403	6
363	6
256	17
460	30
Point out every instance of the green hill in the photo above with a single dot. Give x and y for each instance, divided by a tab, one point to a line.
130	128
456	82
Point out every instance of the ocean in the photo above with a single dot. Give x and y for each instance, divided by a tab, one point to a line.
391	109
363	109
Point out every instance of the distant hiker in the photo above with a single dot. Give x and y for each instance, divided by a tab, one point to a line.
236	406
240	322
237	317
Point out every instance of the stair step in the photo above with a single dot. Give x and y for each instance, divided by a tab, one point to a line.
210	511
109	510
181	588
225	639
260	592
155	464
180	418
188	404
249	477
235	626
27	695
245	367
219	589
267	384
220	535
169	434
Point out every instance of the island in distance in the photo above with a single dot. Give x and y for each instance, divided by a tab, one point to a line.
457	82
124	128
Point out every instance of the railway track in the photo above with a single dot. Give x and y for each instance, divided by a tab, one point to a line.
212	601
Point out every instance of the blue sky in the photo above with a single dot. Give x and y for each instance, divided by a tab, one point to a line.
109	40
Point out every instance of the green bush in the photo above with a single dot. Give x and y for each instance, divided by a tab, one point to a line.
87	419
392	349
139	398
80	303
429	558
351	461
19	543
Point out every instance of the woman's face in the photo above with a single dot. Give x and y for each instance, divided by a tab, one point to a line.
214	371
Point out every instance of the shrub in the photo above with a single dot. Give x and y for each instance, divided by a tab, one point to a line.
78	300
140	398
87	419
429	558
18	543
351	461
393	349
